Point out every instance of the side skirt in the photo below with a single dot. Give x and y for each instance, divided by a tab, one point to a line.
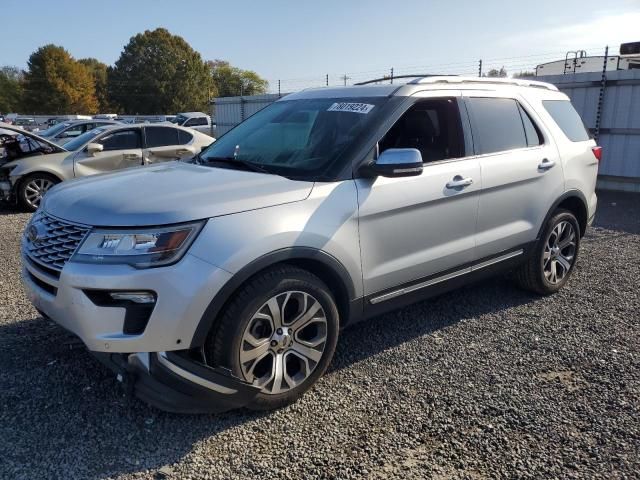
423	288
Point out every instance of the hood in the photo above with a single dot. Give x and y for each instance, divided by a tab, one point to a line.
168	193
11	128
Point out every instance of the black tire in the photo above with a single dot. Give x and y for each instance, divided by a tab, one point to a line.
24	200
225	341
531	275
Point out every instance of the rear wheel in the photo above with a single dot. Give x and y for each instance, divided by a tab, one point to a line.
554	256
279	332
32	188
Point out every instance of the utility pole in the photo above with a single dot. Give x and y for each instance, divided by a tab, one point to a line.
391	74
480	68
345	78
279	89
327	80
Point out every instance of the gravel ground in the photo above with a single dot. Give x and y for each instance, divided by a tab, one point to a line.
485	382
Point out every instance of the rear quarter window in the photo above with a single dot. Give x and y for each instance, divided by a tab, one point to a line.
567	119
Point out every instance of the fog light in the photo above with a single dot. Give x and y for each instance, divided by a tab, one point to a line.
135	297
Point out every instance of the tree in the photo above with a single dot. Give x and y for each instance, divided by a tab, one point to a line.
99	73
11	90
56	83
230	81
158	72
497	73
524	74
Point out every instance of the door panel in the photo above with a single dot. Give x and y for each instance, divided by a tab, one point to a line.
415	226
168	153
518	188
122	149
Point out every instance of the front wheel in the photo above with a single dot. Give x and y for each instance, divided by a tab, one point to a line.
551	263
32	188
279	332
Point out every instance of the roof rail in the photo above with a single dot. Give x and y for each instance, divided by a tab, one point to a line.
395	77
482	80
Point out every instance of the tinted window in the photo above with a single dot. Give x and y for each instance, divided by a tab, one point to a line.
194	122
121	140
567	119
184	137
497	125
161	136
534	138
432	126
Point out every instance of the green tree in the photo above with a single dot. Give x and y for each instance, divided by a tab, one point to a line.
229	81
11	90
99	73
56	83
158	72
497	73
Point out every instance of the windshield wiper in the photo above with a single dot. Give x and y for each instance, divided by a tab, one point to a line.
254	167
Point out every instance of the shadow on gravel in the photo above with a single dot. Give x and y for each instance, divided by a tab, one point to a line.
61	399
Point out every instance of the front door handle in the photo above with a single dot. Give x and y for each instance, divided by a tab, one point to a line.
459	182
131	156
546	164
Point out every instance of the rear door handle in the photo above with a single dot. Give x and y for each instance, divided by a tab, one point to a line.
546	164
183	151
459	182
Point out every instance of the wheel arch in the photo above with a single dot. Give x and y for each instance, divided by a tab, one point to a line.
323	265
576	203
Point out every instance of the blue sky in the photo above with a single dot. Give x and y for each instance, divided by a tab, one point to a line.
299	41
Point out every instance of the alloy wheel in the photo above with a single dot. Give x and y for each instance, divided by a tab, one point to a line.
283	342
559	252
35	189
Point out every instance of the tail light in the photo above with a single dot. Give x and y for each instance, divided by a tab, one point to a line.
597	152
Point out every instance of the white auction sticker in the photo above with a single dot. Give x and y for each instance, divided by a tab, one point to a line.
351	107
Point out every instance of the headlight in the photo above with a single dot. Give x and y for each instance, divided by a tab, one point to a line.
140	248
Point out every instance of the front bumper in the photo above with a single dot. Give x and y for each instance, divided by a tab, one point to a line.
173	382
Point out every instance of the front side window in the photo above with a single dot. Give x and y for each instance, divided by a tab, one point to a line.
567	119
121	140
497	125
432	126
79	142
161	136
196	122
305	137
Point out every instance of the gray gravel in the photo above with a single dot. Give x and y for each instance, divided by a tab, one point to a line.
486	382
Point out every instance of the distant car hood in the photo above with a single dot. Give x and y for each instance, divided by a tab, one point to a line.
168	193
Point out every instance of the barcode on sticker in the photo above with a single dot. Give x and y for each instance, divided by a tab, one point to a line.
351	107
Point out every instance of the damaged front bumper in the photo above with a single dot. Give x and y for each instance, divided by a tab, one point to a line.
173	382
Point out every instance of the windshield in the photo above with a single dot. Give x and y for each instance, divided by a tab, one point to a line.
53	131
302	138
80	141
178	119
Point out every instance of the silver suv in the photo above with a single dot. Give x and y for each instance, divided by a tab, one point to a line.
225	282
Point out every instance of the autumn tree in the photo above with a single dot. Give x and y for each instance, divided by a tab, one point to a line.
99	73
56	83
229	81
11	79
158	72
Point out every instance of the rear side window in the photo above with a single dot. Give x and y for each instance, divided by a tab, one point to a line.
121	140
161	136
497	125
196	122
567	119
534	138
183	137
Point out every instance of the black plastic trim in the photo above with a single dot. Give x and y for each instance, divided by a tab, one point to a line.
374	309
279	256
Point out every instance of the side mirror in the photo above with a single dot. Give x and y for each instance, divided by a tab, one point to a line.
397	162
93	148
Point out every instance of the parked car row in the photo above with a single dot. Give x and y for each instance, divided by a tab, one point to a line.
30	164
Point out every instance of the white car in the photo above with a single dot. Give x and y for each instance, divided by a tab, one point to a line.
34	164
198	121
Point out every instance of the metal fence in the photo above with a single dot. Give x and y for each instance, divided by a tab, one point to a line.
230	111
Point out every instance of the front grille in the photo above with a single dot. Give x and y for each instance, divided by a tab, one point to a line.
51	242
